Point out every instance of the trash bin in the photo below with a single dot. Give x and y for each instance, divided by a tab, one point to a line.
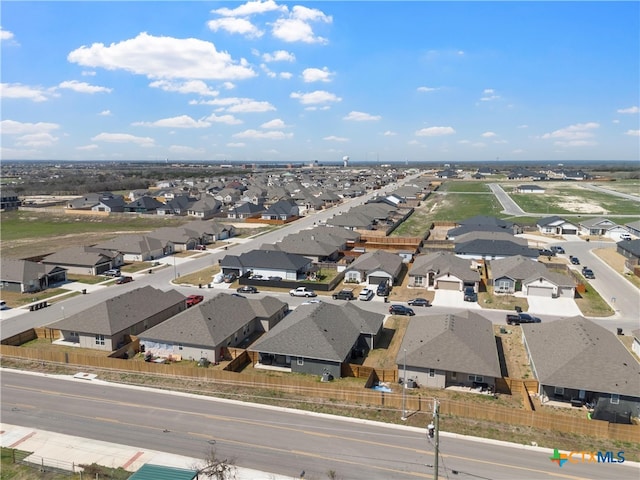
386	299
84	291
619	331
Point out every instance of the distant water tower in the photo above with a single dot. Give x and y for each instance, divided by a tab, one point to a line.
345	161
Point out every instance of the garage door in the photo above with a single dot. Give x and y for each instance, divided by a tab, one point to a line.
376	280
569	232
540	291
444	285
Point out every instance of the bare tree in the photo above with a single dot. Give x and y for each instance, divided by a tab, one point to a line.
214	468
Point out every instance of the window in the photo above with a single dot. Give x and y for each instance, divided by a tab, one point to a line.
454	375
300	361
558	390
615	398
419	281
74	334
99	339
432	372
476	378
179	346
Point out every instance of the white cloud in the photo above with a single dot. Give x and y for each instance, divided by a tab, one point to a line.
361	117
91	146
633	109
251	8
36	140
185	150
389	133
489	134
297	28
319	96
181	121
633	133
228	119
12	127
88	73
523	126
578	135
228	85
163	57
18	90
105	113
285	75
489	95
251	106
192	86
123	138
275	123
257	134
333	138
435	131
427	89
317	75
5	34
83	87
413	142
279	56
241	26
236	144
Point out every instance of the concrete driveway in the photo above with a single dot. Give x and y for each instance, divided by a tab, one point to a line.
564	307
451	298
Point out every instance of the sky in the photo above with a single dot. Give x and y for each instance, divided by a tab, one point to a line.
303	81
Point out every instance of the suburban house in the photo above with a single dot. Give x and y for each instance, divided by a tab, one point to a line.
576	360
24	276
211	231
281	210
204	208
630	250
374	268
207	329
245	210
443	270
109	324
492	245
518	273
137	248
556	226
596	226
529	189
352	221
268	263
145	205
486	221
84	260
176	205
318	338
439	351
9	200
98	202
305	243
633	228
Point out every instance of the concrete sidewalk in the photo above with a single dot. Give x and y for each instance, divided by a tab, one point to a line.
65	452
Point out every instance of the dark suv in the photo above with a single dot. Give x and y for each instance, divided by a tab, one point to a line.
401	310
383	289
344	294
470	295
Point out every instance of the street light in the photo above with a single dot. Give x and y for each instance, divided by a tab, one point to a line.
404	387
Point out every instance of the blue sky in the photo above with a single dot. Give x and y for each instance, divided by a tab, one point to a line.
303	81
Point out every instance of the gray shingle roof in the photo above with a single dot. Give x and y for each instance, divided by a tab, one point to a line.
463	342
209	323
388	262
578	353
132	244
516	268
498	248
321	331
443	263
121	312
266	259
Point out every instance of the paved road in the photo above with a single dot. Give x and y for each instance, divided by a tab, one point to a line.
509	206
270	439
608	191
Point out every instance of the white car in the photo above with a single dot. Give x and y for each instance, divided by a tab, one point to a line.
366	294
302	292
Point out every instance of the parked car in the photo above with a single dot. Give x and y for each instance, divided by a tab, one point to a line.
557	249
124	279
419	302
201	247
518	318
112	272
302	292
383	289
401	310
230	277
588	273
366	294
544	252
470	295
257	277
344	294
247	289
574	260
194	300
275	278
625	236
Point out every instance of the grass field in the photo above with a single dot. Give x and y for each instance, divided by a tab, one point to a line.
454	186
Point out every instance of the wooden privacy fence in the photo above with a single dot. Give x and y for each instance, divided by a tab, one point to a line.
415	399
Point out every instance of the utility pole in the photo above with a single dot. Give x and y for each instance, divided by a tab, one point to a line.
436	424
404	388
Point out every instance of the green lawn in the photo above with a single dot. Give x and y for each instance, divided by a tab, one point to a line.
455	186
460	206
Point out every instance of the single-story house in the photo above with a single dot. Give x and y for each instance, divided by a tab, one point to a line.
207	329
84	260
633	228
445	350
281	210
575	359
108	325
211	231
630	250
443	270
595	226
181	238
529	189
268	263
550	284
514	274
138	248
318	338
307	245
204	208
375	267
245	210
556	226
145	204
490	249
24	276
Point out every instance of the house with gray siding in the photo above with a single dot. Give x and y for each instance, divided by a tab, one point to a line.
268	263
207	329
450	350
84	260
138	248
109	324
318	338
24	276
443	270
375	267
